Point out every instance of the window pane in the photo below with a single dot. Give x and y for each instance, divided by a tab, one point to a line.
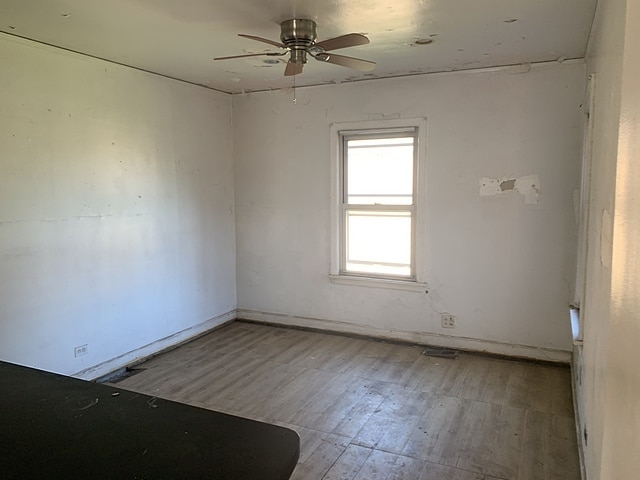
380	171
378	242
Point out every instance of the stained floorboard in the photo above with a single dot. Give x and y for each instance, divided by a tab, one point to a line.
371	410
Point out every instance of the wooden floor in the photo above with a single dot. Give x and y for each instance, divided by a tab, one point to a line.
371	410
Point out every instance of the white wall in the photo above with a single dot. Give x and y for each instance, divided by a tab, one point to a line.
609	394
503	267
621	440
116	209
605	59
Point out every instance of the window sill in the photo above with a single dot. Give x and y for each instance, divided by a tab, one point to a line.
406	285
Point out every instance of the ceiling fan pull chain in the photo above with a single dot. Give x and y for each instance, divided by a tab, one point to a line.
294	89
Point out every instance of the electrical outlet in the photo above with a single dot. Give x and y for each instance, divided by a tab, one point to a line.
81	350
448	321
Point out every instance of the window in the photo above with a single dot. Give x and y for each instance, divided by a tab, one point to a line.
377	193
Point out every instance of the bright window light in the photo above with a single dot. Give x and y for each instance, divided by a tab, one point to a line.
378	203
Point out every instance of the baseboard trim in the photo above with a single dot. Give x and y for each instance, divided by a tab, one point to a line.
330	326
421	338
576	373
159	346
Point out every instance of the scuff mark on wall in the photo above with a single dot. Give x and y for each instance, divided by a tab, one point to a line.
606	239
576	206
528	186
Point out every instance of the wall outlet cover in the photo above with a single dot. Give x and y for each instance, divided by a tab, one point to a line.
448	321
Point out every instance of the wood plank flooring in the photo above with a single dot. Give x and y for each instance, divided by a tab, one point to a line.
368	410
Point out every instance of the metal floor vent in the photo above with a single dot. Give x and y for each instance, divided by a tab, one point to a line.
440	352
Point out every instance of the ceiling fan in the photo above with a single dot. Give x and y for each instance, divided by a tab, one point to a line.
298	37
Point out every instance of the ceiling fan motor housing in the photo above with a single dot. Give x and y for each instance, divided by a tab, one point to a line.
298	35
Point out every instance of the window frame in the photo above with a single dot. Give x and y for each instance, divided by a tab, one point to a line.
415	127
584	247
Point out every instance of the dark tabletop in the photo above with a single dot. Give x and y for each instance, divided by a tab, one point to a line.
57	427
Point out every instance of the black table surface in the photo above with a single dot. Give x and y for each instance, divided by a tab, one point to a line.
58	427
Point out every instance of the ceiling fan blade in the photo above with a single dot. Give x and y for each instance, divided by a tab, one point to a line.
263	40
268	54
293	69
343	41
356	63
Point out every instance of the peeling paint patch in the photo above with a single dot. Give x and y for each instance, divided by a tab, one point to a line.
528	186
508	185
518	69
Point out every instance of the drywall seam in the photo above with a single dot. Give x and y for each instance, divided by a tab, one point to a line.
27	40
460	343
139	354
512	69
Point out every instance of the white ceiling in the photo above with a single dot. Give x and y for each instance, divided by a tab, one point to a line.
179	38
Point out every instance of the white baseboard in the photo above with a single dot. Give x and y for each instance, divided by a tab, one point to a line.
154	348
422	338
